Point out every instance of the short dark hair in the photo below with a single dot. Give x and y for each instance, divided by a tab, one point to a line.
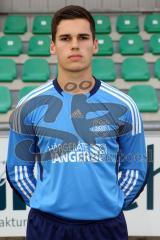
71	12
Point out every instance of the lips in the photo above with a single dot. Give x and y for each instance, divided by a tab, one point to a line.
75	56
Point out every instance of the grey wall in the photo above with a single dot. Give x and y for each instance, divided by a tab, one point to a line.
92	5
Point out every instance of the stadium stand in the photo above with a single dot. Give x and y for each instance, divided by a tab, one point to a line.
131	44
42	25
157	69
102	23
135	69
35	70
8	71
154	45
39	46
5	99
145	97
15	25
104	69
133	38
127	24
128	54
105	45
152	23
10	46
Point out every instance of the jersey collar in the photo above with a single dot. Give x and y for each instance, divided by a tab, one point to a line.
92	92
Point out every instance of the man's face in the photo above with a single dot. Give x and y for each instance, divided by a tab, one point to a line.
74	45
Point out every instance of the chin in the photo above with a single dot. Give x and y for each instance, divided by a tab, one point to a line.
76	69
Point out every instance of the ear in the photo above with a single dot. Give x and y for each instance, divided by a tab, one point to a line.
52	48
95	46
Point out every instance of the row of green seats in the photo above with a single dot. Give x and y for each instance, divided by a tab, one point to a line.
13	46
130	44
6	100
17	24
40	45
37	70
33	70
132	69
145	97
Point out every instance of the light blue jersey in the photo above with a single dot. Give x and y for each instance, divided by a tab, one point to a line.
89	151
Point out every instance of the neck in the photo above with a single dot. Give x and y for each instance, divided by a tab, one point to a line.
73	82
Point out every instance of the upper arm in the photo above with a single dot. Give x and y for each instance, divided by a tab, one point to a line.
132	148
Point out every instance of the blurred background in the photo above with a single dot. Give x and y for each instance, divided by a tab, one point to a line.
128	33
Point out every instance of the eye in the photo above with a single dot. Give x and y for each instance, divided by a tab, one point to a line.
65	39
83	37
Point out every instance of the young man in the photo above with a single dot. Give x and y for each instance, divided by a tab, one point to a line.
86	139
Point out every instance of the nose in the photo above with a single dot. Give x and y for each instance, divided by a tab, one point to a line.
74	43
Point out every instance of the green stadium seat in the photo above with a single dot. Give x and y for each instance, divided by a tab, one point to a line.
154	44
10	46
35	70
157	69
24	91
102	23
42	25
152	23
145	97
127	24
39	46
135	69
105	45
5	99
8	71
104	69
131	44
15	25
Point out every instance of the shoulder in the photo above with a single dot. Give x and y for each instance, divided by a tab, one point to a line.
39	91
117	95
28	104
121	98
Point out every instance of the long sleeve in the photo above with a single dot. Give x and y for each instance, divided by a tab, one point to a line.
132	161
21	156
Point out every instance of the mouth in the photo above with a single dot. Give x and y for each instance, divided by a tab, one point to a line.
75	56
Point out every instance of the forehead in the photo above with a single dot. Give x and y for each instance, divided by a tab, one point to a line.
73	26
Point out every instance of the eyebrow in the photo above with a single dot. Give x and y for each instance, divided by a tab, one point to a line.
80	35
